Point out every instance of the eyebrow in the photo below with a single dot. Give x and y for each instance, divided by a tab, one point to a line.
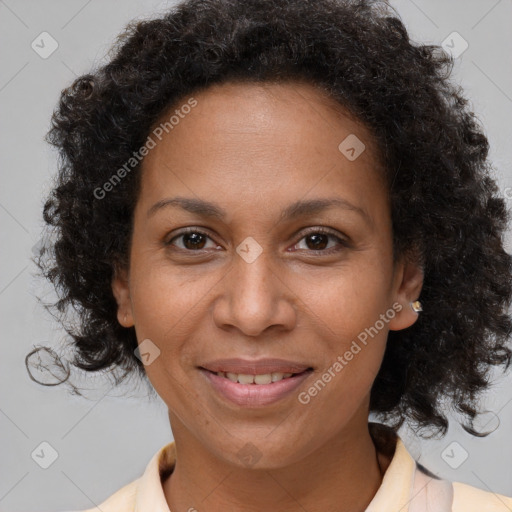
300	208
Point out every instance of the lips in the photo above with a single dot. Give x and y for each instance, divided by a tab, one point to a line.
254	394
254	367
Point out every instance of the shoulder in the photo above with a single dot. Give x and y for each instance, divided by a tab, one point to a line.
123	499
467	498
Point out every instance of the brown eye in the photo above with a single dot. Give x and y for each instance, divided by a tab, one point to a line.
318	240
191	240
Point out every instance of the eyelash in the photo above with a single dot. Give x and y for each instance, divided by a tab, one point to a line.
343	242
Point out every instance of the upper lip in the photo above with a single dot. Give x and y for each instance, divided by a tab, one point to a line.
254	367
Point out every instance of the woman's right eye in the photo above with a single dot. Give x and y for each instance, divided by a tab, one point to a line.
191	240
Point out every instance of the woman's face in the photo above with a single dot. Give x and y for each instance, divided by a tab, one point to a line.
267	271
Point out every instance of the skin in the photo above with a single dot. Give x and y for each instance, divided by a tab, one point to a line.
253	150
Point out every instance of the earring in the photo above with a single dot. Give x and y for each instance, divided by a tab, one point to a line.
125	316
416	306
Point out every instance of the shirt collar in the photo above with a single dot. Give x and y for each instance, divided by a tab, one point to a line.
395	490
393	494
150	493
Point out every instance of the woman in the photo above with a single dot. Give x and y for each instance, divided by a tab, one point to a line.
281	214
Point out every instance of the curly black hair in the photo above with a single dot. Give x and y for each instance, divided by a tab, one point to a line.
446	209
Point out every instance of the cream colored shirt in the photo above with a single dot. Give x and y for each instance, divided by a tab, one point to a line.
405	488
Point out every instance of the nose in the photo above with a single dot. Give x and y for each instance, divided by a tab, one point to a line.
255	297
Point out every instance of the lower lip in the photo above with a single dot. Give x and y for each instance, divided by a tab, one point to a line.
255	395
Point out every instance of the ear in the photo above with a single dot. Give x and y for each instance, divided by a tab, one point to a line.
407	289
121	291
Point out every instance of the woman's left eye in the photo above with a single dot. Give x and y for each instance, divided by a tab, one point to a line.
316	240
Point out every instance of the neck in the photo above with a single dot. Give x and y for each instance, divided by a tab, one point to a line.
343	474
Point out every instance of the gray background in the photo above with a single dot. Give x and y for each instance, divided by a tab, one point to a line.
105	441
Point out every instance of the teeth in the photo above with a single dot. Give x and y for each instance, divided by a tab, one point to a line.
263	379
230	376
266	378
245	379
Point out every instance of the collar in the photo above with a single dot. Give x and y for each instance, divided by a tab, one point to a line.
150	493
394	493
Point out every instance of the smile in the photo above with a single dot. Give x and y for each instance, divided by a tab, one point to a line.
259	390
265	378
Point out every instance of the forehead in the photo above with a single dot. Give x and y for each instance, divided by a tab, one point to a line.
251	101
275	140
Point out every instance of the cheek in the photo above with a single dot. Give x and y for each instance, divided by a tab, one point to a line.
166	299
344	382
349	299
167	308
353	314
